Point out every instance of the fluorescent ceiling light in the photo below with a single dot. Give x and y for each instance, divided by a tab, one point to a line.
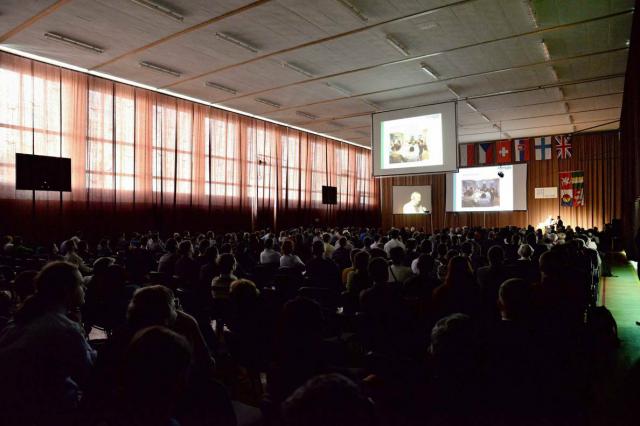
472	107
354	10
159	8
339	89
297	69
220	87
267	102
453	92
531	14
545	50
397	45
431	73
485	118
370	103
627	43
239	43
160	68
73	42
307	115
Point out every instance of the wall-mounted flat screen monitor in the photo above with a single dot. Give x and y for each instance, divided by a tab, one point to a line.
42	173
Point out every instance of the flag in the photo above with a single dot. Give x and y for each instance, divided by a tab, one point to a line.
577	179
467	155
563	146
521	149
485	153
566	189
543	148
503	149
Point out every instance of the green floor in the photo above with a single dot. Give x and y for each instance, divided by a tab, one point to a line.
618	393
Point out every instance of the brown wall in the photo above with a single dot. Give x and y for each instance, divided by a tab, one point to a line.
598	154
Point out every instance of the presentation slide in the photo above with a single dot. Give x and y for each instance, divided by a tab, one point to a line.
496	188
415	140
411	199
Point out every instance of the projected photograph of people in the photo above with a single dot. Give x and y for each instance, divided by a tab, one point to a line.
481	193
412	142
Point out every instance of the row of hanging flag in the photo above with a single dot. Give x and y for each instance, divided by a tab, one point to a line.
572	188
513	151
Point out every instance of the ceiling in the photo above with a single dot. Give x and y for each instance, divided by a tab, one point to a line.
487	53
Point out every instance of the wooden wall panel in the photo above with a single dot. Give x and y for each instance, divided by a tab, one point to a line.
598	154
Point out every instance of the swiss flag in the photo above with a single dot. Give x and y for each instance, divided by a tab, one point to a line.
503	151
467	155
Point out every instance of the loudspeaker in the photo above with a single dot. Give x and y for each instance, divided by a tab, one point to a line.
329	195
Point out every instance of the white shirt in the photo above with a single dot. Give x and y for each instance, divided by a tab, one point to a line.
290	261
269	256
410	208
400	272
393	243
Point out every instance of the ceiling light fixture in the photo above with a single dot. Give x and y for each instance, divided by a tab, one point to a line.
431	73
531	14
627	43
160	68
239	43
354	10
73	42
307	115
371	103
485	118
159	8
267	102
297	69
339	89
220	87
397	45
453	92
545	50
472	107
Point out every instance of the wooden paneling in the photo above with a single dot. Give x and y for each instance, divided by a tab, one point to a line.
598	154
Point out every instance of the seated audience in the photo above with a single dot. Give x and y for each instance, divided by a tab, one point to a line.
269	256
288	258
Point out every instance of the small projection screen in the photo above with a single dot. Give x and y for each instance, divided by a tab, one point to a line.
411	199
415	140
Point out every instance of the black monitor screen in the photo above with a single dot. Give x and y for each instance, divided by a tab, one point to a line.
41	173
329	195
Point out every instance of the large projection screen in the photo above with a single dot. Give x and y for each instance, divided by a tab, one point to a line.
411	199
416	140
481	189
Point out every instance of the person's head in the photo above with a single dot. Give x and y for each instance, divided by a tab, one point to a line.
287	247
154	371
394	234
397	255
171	245
203	245
301	321
317	248
58	286
352	256
24	284
185	248
243	291
525	251
458	271
226	264
152	305
268	244
416	199
552	264
514	299
6	302
426	246
326	238
495	256
378	270
361	261
329	399
101	265
442	250
342	242
425	264
453	344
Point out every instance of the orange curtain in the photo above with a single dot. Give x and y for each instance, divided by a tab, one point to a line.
145	160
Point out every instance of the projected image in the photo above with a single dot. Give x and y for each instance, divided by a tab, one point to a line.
480	193
411	199
412	142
